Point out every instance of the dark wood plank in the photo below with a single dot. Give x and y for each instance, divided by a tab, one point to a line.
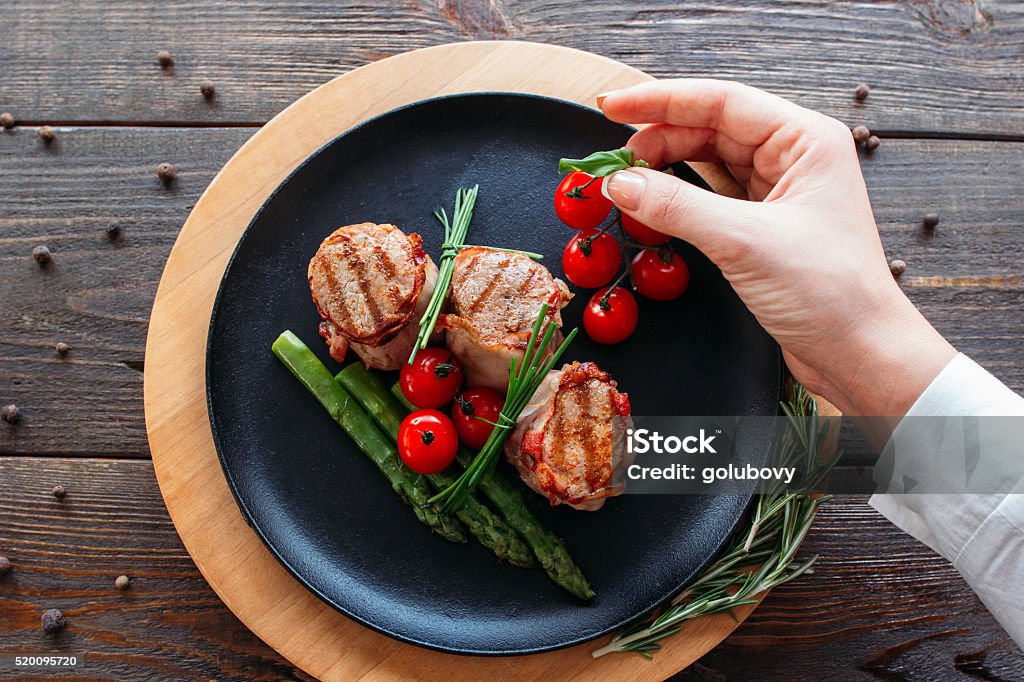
934	65
67	554
97	294
879	603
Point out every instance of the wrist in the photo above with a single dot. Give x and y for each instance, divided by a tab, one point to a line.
889	361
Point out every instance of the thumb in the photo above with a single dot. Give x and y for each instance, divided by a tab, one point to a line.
673	206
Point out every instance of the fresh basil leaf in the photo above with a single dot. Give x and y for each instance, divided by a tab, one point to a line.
599	164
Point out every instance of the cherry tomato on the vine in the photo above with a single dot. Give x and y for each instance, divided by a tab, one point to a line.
591	260
579	207
482	402
660	274
427	441
613	319
432	379
642	234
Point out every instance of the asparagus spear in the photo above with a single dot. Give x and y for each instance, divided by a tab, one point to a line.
308	369
547	547
486	526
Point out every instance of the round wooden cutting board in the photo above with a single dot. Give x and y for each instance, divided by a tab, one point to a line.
242	571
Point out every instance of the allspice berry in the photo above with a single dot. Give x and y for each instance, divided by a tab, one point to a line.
7	120
59	492
208	89
10	413
46	134
897	267
62	348
861	133
166	172
930	221
871	144
42	254
164	59
5	566
53	621
861	92
122	582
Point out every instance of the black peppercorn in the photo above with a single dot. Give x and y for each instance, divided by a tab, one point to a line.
931	221
46	134
59	492
42	255
871	144
897	267
7	120
62	348
10	413
164	59
208	89
122	582
166	172
5	566
861	133
861	92
53	621
113	231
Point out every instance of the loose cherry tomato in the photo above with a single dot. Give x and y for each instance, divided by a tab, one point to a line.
612	320
433	378
427	441
482	402
591	261
660	274
643	234
582	209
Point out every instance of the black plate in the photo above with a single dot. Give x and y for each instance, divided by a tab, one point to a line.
320	505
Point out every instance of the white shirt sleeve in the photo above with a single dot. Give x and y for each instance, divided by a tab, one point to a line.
983	534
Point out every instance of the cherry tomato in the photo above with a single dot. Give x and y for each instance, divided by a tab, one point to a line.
582	209
660	274
427	441
433	378
614	320
476	402
590	261
642	234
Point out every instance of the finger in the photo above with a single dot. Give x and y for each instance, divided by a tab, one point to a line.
746	114
665	203
661	144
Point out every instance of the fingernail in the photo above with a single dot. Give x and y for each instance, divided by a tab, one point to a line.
625	189
600	99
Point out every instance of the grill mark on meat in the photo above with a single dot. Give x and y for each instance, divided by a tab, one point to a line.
331	276
359	271
586	434
386	266
486	293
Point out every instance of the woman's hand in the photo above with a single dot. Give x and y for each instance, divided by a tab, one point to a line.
803	254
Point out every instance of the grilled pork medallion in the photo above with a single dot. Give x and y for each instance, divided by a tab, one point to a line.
371	284
569	444
495	299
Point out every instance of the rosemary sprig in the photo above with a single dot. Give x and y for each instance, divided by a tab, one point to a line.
523	383
761	555
454	238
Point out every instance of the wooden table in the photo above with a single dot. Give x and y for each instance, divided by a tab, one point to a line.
947	100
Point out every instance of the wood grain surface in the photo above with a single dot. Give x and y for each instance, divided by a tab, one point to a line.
874	618
880	606
935	66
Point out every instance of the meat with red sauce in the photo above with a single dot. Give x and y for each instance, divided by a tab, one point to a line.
495	299
569	444
371	284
